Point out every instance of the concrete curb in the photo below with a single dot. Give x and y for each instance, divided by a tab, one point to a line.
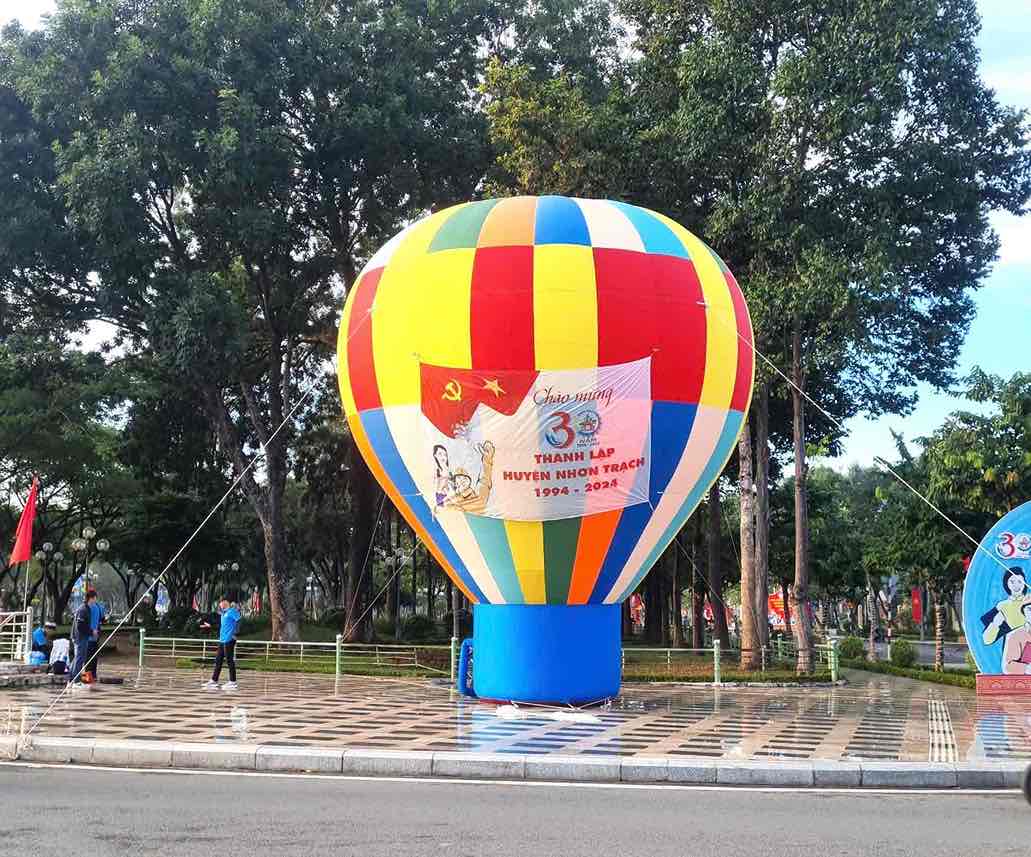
232	756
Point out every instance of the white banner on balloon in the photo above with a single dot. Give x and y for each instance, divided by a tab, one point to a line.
536	445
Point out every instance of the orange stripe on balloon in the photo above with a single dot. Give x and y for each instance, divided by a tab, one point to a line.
510	223
596	533
361	440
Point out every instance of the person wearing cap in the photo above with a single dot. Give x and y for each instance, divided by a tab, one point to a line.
1016	653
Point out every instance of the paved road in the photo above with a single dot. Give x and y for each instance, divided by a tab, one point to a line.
58	811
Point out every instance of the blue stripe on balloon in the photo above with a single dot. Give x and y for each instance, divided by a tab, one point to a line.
492	537
560	221
382	441
656	235
671	427
724	447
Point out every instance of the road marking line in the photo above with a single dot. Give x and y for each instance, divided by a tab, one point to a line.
532	783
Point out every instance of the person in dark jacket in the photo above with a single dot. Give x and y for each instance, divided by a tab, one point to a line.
82	635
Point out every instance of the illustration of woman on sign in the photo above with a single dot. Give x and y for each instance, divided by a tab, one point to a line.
442	478
1007	614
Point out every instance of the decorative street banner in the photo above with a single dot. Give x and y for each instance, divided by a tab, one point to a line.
997	598
537	445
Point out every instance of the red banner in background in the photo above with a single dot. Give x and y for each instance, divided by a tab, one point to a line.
23	537
918	605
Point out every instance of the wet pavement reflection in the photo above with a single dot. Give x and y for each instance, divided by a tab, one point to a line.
873	717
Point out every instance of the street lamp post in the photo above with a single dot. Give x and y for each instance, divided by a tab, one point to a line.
82	545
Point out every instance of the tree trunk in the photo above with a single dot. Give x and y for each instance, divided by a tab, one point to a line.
762	515
939	631
871	644
800	591
431	607
719	613
364	498
749	636
282	606
448	589
677	619
697	586
393	550
627	620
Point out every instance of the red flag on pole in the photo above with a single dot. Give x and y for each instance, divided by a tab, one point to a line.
23	538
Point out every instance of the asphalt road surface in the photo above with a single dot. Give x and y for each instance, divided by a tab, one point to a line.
62	811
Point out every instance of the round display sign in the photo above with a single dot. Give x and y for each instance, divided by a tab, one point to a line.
997	597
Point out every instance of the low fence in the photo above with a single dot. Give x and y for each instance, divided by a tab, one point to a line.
16	636
340	658
334	658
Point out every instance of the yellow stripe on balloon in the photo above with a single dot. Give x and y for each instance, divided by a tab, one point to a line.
343	375
720	338
526	541
428	324
565	307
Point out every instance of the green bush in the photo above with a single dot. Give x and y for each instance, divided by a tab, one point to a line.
851	648
903	653
418	629
956	678
178	618
971	663
333	618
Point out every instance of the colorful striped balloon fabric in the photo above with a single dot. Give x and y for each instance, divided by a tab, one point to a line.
517	293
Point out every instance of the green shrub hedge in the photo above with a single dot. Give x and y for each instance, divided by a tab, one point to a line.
956	678
851	648
903	653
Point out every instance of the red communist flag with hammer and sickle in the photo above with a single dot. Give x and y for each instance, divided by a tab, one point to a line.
450	396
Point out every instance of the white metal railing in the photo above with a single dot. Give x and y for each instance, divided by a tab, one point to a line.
16	636
364	658
337	657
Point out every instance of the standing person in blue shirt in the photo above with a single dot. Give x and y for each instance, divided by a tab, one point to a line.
226	644
96	613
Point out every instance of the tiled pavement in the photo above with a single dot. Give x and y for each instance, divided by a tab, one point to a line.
872	718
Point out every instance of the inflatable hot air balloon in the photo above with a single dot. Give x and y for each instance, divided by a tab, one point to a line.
546	388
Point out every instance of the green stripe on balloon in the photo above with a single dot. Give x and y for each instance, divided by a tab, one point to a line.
492	540
462	229
560	541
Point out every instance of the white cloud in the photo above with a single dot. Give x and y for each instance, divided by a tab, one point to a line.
1014	238
1011	82
28	12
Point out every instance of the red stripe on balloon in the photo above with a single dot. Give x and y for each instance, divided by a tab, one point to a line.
652	301
360	364
501	308
745	356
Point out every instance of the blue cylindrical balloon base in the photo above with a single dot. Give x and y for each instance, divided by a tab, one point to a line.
546	652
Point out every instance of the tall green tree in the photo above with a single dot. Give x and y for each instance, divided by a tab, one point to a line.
229	165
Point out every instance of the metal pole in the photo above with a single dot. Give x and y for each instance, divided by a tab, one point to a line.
834	660
143	643
28	635
340	639
25	591
716	661
454	653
